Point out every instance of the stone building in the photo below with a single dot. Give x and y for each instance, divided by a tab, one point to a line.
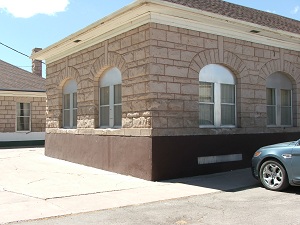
171	88
22	105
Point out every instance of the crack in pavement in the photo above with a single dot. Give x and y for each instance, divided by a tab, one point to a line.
35	181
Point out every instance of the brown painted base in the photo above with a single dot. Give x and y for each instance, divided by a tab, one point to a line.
158	158
125	155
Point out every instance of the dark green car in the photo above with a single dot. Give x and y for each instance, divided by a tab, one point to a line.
277	166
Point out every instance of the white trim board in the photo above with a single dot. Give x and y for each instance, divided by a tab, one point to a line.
22	136
23	94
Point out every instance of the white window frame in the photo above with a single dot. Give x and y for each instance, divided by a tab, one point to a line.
17	108
279	81
273	106
70	88
110	79
218	75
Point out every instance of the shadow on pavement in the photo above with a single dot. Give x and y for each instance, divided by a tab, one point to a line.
293	190
231	181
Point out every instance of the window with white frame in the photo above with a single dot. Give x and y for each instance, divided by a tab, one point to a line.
70	104
110	86
23	117
217	97
279	100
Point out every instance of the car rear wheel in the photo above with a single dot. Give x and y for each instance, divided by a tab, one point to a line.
273	176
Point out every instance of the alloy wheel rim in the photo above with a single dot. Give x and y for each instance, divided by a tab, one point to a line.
272	175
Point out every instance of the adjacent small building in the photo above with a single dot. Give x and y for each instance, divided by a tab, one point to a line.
22	105
171	88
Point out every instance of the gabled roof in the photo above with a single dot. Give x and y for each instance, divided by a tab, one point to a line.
13	78
243	13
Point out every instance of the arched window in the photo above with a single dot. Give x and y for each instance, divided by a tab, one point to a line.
70	104
217	100
279	100
111	99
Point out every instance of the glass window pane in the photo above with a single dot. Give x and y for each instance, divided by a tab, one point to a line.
215	73
286	98
26	123
286	107
104	116
74	100
206	114
227	93
26	112
286	116
20	123
26	106
227	104
206	92
118	115
117	94
66	118
74	117
67	101
104	96
271	115
23	109
271	100
23	116
228	114
23	123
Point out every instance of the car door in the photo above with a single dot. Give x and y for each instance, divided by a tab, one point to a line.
296	164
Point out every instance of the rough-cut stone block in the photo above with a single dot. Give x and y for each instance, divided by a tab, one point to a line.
175	105
209	43
191	106
138	37
127	122
159	122
173	37
176	71
159	52
174	54
139	88
193	41
173	88
139	54
157	34
153	86
157	69
175	122
189	89
187	56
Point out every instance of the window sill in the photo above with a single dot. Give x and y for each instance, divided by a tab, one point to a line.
109	128
215	127
287	126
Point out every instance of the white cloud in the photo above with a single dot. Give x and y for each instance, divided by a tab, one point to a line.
295	10
270	11
29	8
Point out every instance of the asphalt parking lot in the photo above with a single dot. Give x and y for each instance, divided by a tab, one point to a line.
250	206
33	186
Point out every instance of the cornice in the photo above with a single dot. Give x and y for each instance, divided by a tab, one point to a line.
155	11
23	94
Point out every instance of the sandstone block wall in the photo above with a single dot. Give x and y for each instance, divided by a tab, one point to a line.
8	113
160	68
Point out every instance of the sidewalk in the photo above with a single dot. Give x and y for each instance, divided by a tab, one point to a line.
33	186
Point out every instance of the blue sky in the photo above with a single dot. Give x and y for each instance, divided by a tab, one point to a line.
25	24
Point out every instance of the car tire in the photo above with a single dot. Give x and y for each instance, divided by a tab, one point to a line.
273	176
